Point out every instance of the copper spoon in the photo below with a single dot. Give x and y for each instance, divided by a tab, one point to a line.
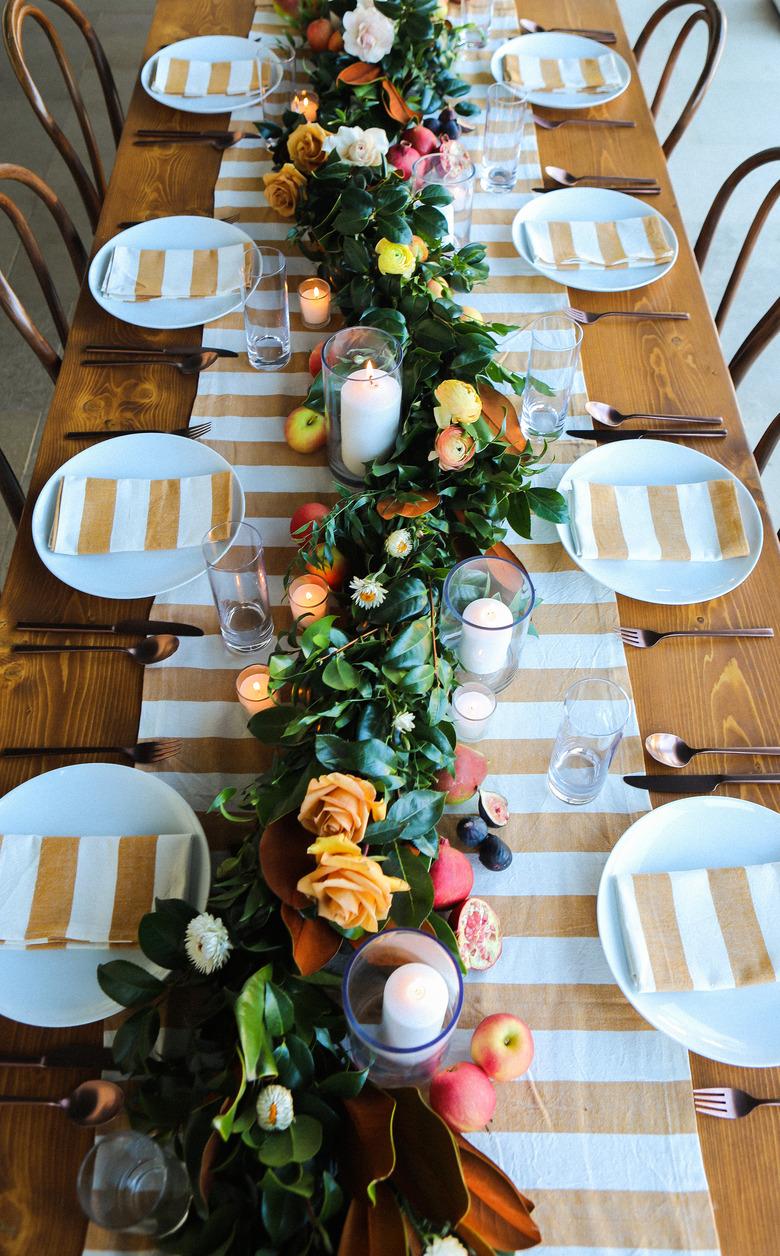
91	1103
611	417
150	650
569	180
676	753
535	28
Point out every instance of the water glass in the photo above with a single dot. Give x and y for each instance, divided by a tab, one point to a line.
266	310
239	586
476	17
129	1182
595	712
459	182
553	360
279	99
505	122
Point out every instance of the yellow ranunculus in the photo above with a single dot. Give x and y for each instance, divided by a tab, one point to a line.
458	403
396	259
305	146
338	807
283	189
349	887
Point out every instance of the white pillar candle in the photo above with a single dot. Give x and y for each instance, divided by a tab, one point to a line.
308	597
472	708
315	302
370	417
414	1005
486	636
252	688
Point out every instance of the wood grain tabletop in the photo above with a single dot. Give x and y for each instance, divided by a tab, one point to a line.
704	691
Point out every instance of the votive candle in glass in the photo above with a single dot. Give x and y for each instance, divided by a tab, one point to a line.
314	296
252	688
306	103
308	597
361	377
473	707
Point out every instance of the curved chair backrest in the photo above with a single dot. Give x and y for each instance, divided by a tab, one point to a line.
15	14
706	11
769	324
11	490
9	301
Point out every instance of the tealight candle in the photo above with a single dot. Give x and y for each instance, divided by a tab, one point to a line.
252	688
370	417
414	1004
306	103
315	302
309	597
473	706
486	636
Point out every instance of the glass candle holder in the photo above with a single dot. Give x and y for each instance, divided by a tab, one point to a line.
236	569
308	598
314	296
252	688
459	182
473	707
361	378
306	103
128	1182
403	994
486	612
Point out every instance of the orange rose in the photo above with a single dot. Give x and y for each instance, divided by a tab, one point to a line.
283	189
304	145
349	887
338	805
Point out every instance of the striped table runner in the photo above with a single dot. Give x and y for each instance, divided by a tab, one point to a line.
601	1132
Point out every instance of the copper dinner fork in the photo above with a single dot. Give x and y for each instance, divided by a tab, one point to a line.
725	1101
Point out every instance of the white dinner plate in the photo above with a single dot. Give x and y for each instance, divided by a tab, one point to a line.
732	1026
60	987
591	205
145	455
213	48
554	46
182	231
666	584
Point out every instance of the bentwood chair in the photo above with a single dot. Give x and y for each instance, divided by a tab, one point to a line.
9	301
708	12
11	490
16	13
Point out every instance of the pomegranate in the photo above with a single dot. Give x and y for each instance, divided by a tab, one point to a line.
422	139
477	930
403	156
452	876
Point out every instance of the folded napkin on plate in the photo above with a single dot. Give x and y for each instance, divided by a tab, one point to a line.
95	516
88	890
596	75
599	245
697	523
175	274
175	76
704	929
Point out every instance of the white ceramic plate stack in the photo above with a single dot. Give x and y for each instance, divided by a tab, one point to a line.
558	46
214	48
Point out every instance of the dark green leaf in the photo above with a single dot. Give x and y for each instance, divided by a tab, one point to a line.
252	1032
410	907
128	983
548	504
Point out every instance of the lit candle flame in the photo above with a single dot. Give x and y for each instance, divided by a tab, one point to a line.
369	370
315	291
256	686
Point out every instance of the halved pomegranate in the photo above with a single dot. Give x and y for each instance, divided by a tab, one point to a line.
478	932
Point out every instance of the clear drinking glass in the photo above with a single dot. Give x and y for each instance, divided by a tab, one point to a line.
128	1182
476	17
279	99
505	121
459	183
236	571
552	367
266	311
595	713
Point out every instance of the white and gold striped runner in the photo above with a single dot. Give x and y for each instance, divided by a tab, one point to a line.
601	1132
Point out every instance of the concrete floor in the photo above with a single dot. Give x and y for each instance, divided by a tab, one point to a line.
739	117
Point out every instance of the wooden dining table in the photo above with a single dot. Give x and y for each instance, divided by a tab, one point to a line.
710	692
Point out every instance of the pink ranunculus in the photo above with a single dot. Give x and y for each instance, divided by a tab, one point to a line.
454	448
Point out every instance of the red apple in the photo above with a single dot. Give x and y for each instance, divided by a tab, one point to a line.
315	358
464	1097
422	139
305	430
309	513
334	572
503	1046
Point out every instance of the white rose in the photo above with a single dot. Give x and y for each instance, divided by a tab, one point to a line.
368	34
359	147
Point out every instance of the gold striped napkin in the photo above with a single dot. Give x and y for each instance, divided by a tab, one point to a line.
596	75
175	274
703	929
599	245
176	76
93	516
87	890
697	523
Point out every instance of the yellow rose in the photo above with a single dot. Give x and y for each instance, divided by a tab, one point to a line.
283	189
349	887
458	403
304	145
396	259
340	806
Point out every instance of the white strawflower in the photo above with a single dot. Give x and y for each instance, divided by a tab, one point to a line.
404	722
367	591
449	1246
399	543
274	1108
207	943
358	147
368	34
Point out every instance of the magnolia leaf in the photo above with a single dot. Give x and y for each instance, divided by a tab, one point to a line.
501	416
359	72
410	907
161	933
283	859
313	941
427	1170
332	1198
498	1213
473	1241
252	1031
299	1142
395	105
368	1151
135	1039
278	1011
420	504
295	1063
223	1123
128	983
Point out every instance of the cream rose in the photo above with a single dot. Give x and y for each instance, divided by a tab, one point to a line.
305	146
338	805
458	403
368	34
348	887
359	147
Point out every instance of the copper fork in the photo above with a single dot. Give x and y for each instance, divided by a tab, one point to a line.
144	752
728	1103
645	638
582	316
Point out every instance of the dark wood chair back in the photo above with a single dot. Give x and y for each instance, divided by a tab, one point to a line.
769	324
706	11
11	490
15	15
9	301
